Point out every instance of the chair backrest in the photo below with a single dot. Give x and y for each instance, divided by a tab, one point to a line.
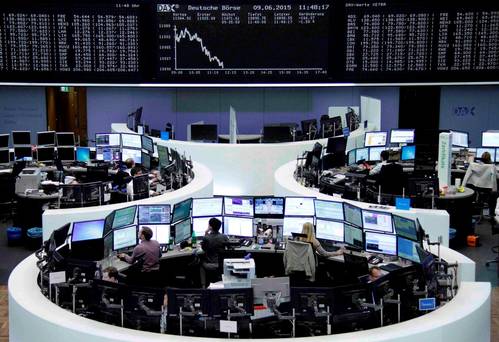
299	256
391	178
481	176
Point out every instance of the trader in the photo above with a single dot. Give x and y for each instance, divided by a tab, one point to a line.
308	230
146	254
129	164
384	160
213	243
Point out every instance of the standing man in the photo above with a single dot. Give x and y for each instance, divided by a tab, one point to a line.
213	243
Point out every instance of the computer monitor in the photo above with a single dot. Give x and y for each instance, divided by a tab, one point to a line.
295	224
492	151
362	154
83	154
60	235
352	157
329	210
225	301
4	140
238	206
310	301
147	144
375	153
125	237
381	243
207	206
204	133
66	153
87	230
336	145
299	206
163	155
140	186
23	152
375	139
124	217
107	139
238	226
146	161
154	214
200	224
160	232
130	153
269	207
21	138
459	139
65	139
45	138
191	301
4	156
408	249
490	139
353	235
402	136
131	141
182	230
45	154
352	214
405	227
276	134
408	153
377	221
275	287
108	154
182	210
329	230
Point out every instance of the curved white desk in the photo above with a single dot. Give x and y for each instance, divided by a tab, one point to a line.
200	186
238	169
32	317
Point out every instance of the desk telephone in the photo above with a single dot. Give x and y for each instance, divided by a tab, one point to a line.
374	260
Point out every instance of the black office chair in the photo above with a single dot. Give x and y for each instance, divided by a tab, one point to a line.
391	179
7	192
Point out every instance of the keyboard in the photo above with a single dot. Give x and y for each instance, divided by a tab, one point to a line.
330	248
390	267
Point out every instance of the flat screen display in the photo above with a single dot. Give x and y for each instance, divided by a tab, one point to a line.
4	156
4	140
107	139
408	249
83	154
87	230
405	227
131	140
377	221
182	231
108	154
329	230
45	138
23	152
381	243
207	206
238	206
238	226
490	139
402	136
147	144
154	214
45	154
408	153
200	224
66	153
146	161
21	137
124	217
65	139
163	155
160	232
492	151
375	139
295	224
269	206
329	210
362	154
182	210
353	236
375	153
352	157
299	206
459	139
130	153
353	214
125	237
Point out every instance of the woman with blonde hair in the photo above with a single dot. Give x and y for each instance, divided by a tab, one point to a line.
308	230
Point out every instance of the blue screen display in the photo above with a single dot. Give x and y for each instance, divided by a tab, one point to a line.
83	154
165	135
87	230
408	152
407	249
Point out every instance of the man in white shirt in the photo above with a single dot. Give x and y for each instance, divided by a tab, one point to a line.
384	160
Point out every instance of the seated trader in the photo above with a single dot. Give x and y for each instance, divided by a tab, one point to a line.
129	164
110	274
384	161
308	229
212	244
483	178
375	273
148	253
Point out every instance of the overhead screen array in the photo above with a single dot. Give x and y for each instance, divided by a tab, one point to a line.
249	41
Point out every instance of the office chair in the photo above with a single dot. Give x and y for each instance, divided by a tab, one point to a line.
482	179
7	192
391	179
299	261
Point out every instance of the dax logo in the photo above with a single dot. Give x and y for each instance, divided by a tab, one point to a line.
464	111
165	8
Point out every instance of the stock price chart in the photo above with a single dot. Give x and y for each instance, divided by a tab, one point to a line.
243	42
